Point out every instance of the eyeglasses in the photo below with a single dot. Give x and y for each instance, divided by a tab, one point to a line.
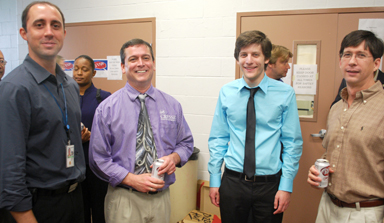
3	62
358	56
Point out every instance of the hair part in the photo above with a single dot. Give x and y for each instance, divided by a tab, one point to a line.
24	15
372	43
253	37
89	59
134	42
279	52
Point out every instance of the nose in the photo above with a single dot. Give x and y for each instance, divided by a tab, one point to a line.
289	67
48	31
352	60
248	59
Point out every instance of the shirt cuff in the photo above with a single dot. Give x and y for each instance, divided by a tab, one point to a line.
215	180
286	184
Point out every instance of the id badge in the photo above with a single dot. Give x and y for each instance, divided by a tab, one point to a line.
70	154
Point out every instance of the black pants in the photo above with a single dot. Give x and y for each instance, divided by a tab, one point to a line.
240	200
6	217
59	208
94	191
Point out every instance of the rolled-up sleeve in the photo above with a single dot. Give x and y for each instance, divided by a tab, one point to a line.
15	118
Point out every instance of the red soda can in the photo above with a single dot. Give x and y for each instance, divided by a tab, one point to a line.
155	169
322	165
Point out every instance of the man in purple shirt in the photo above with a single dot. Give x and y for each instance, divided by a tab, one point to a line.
112	153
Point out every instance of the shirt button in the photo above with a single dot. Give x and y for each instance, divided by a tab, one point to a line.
330	184
337	146
333	165
365	101
345	109
342	127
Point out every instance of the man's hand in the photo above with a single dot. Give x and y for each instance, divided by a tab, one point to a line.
143	182
215	196
85	135
169	165
282	200
313	177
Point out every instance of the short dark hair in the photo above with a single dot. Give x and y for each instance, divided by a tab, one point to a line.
355	38
90	60
134	42
253	37
24	16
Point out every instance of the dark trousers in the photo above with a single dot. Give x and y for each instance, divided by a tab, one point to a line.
94	191
59	208
240	200
5	216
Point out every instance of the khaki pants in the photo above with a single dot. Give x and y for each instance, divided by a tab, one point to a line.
330	213
124	205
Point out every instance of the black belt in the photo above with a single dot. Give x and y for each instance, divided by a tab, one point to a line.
132	189
363	204
264	178
47	192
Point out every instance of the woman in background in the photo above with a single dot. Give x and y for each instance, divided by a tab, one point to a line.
94	189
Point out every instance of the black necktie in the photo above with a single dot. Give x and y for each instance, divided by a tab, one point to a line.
249	155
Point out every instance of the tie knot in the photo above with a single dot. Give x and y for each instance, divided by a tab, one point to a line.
142	97
253	91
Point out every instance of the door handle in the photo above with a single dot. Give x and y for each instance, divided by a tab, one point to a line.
321	134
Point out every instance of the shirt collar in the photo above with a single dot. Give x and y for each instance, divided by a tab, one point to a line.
90	89
133	93
40	74
363	95
263	84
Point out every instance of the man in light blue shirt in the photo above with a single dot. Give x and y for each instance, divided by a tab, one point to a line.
266	195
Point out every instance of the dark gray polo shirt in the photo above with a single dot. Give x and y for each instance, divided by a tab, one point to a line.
32	135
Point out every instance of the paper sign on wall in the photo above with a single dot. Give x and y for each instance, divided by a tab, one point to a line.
304	81
114	64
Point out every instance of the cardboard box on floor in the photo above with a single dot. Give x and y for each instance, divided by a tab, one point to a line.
198	216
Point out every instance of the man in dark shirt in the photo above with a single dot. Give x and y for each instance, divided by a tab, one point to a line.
41	158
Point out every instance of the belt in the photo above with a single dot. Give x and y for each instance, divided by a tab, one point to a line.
47	192
132	189
363	204
264	178
149	192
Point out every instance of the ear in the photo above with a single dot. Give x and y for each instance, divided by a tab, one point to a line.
23	33
122	68
376	64
266	61
94	73
65	32
154	66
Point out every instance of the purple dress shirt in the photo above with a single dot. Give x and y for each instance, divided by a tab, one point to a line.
112	150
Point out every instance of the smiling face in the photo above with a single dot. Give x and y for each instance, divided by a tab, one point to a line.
251	62
45	33
83	72
358	66
139	67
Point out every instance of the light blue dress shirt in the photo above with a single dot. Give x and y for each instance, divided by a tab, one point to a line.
277	120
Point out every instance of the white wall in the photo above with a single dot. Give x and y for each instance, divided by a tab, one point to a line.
8	33
195	43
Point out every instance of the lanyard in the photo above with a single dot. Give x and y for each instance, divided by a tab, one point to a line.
65	117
